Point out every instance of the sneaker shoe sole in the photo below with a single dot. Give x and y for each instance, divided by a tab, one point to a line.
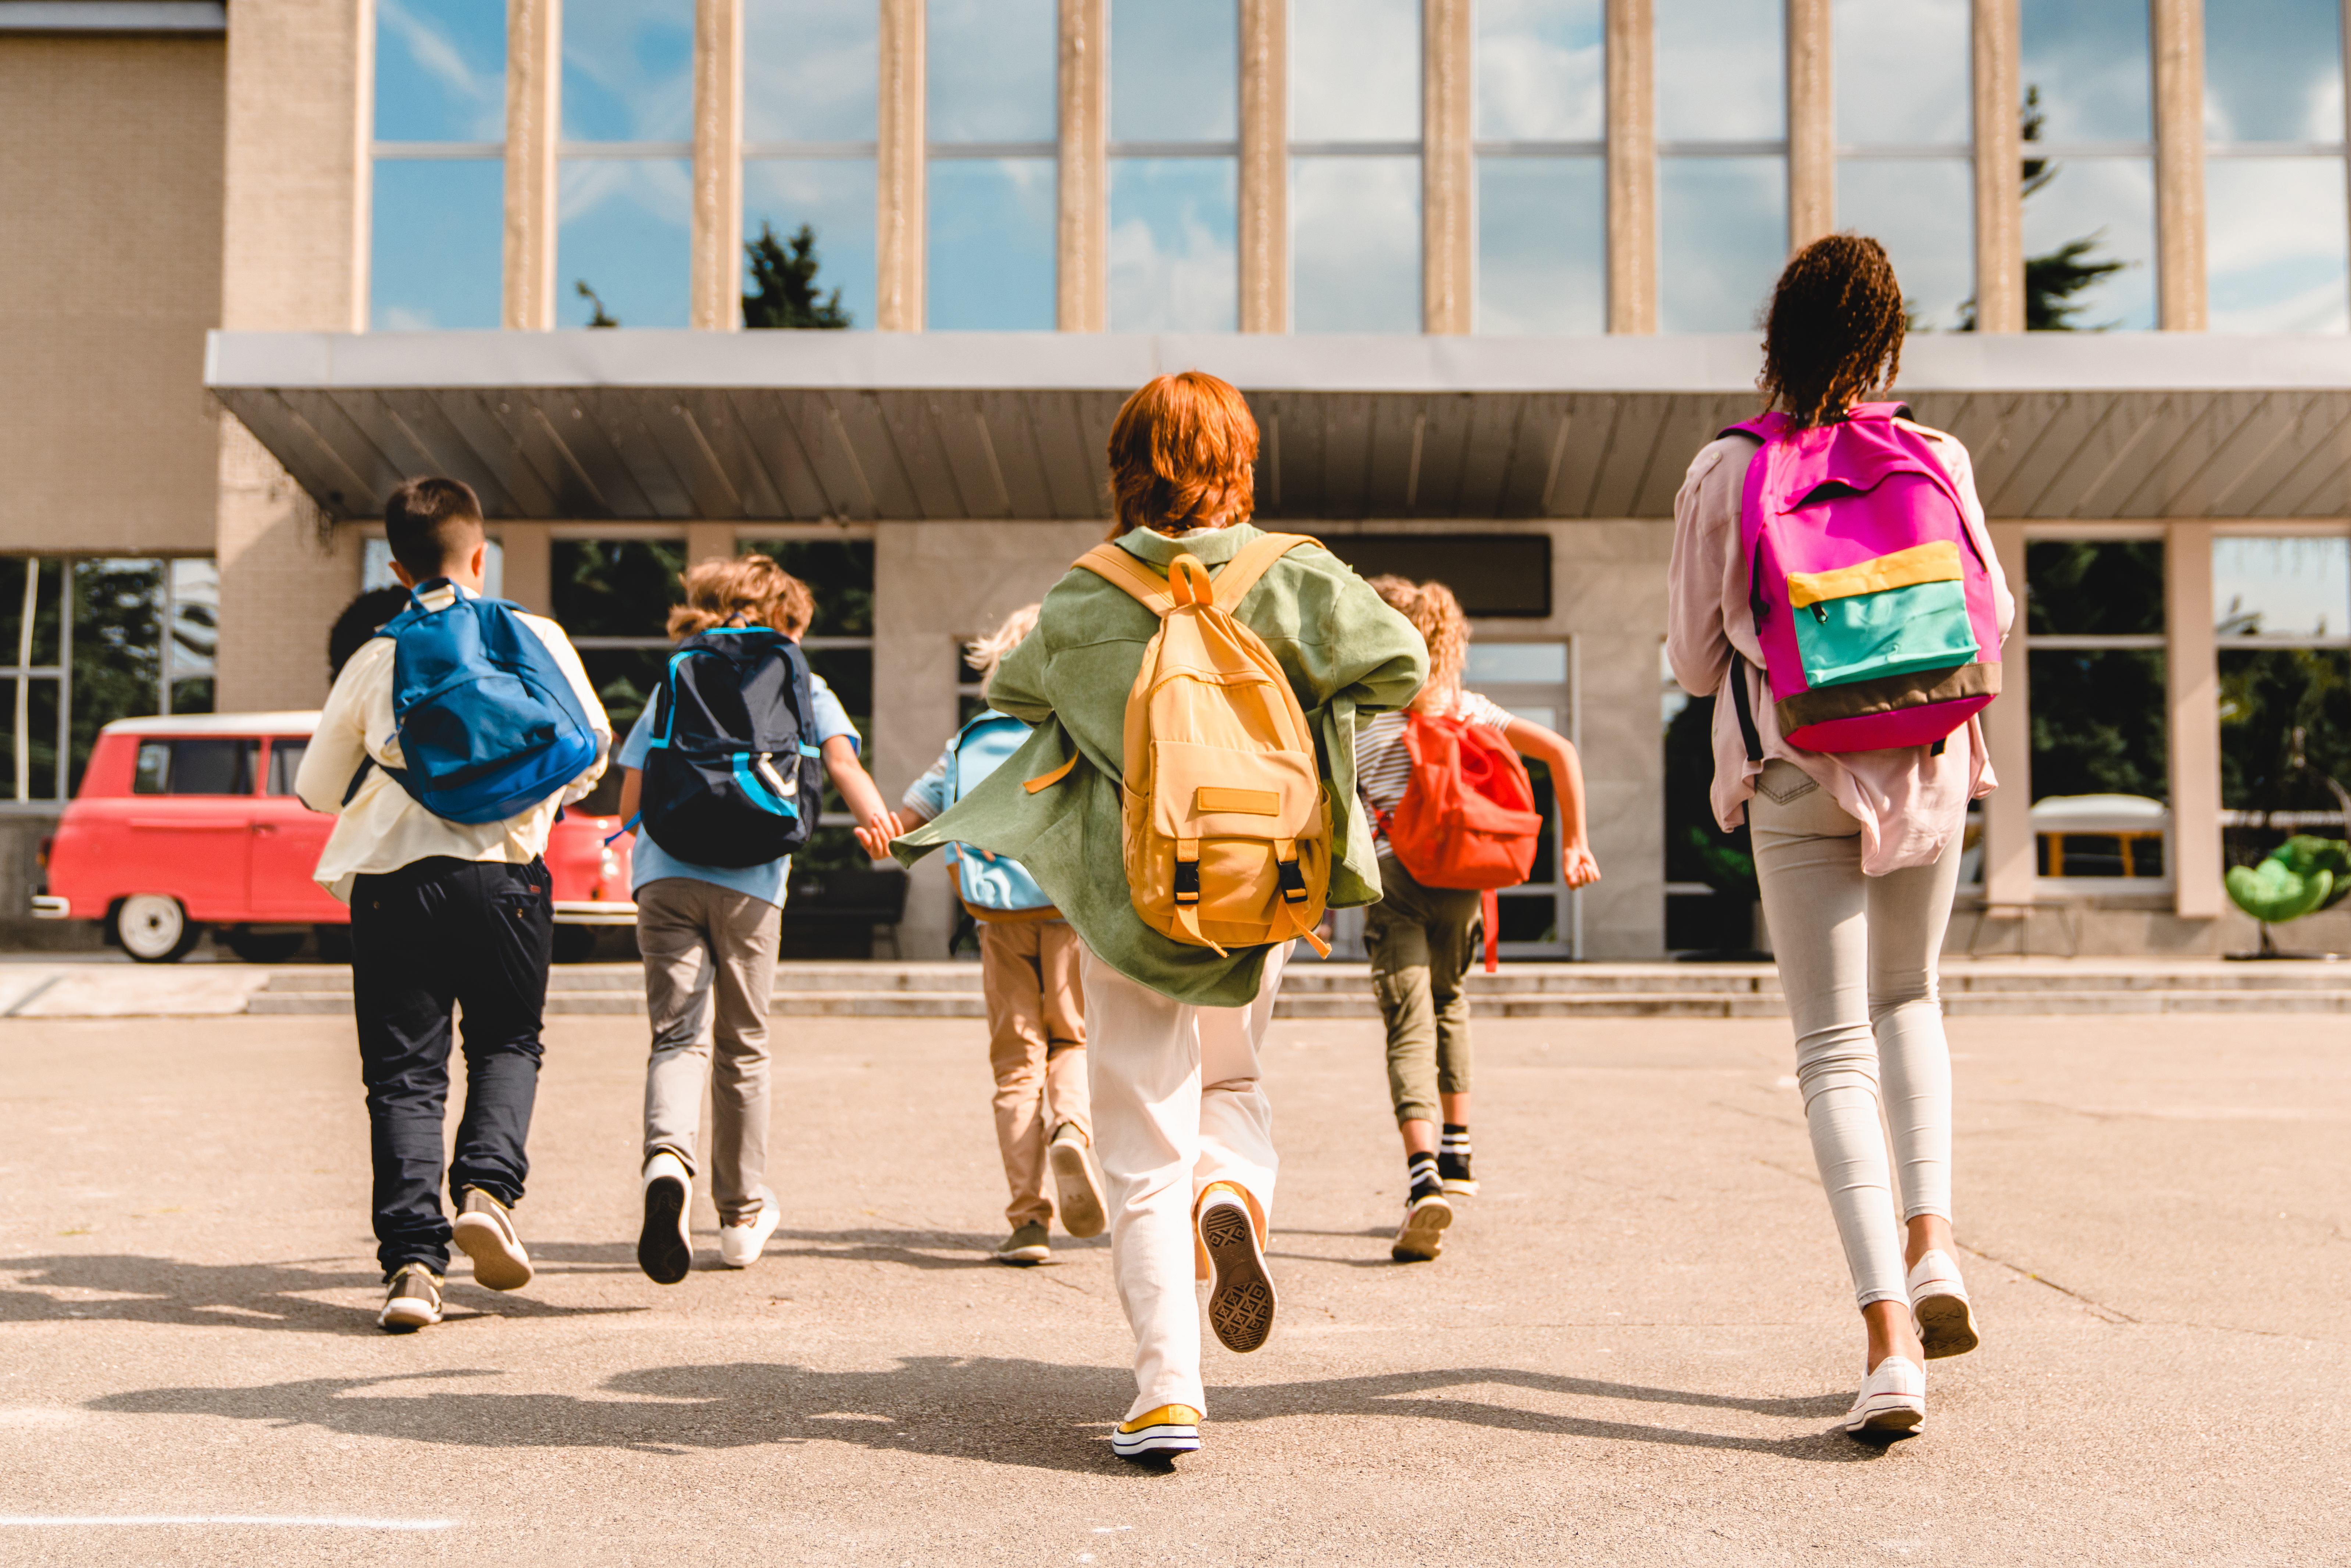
1024	1257
1241	1300
1075	1189
1892	1413
498	1264
1423	1236
663	1251
1165	1439
1947	1325
406	1315
1461	1186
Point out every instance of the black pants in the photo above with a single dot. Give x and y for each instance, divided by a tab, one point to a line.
433	934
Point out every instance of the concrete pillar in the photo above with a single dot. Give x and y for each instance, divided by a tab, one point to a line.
2178	39
1449	171
534	123
1265	166
2192	671
2000	172
2008	733
716	302
708	541
526	553
898	206
1812	124
1632	167
1081	270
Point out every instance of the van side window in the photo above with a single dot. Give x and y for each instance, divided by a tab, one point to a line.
195	767
284	761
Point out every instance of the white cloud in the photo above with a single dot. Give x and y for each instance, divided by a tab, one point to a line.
808	70
1540	71
1355	245
1354	71
482	94
1901	72
1721	70
1173	264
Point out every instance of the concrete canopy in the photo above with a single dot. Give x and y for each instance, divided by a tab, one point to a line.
808	426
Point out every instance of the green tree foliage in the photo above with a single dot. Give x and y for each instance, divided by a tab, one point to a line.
783	281
603	317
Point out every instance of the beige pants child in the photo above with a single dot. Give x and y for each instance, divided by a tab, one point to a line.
701	942
1036	1046
1176	1107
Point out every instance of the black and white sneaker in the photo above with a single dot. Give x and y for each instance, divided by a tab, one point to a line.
414	1301
665	1247
1421	1237
1453	1162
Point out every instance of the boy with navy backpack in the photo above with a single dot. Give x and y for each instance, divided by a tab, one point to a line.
723	778
1028	969
448	744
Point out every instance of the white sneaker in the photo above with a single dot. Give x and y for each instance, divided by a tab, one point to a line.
1079	1193
741	1244
665	1247
1893	1399
1939	1301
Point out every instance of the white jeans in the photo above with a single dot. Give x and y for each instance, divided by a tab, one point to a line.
1177	1106
1857	958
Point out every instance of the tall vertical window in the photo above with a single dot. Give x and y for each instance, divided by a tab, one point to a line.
2089	166
439	169
2275	248
1355	165
1543	213
809	127
623	246
993	113
1906	172
2101	760
1722	160
1175	170
2282	610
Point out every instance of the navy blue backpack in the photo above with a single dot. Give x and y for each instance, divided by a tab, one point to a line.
734	777
488	721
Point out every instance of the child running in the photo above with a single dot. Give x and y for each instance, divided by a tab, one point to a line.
1420	938
444	912
708	937
1028	969
1173	1029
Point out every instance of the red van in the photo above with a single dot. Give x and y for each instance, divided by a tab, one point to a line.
183	823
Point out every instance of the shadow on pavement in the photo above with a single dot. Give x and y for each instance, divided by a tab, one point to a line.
1005	1410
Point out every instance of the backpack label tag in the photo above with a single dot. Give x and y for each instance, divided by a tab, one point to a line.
1254	803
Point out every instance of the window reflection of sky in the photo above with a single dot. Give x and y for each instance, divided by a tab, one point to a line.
2112	200
2273	70
1354	244
810	72
992	70
2089	58
2281	587
1721	71
1354	71
440	71
622	226
991	244
2274	248
1542	243
1175	70
1722	236
1901	71
1540	71
628	70
1922	210
438	238
1174	244
835	197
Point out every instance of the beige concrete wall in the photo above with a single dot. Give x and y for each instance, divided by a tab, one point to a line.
109	275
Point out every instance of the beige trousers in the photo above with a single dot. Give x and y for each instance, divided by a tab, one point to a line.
1037	1047
704	944
1177	1106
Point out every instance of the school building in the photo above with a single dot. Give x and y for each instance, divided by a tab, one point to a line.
1488	271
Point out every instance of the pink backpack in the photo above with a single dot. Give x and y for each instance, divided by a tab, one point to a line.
1873	598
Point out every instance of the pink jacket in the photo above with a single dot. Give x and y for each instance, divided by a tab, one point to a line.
1909	801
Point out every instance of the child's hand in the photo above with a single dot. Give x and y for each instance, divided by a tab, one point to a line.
1576	866
874	835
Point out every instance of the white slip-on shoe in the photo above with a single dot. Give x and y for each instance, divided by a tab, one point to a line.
1893	1399
1939	1301
1078	1195
486	1232
741	1244
665	1247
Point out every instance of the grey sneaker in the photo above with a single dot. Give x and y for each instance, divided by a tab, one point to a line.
1074	1183
486	1232
1025	1246
412	1303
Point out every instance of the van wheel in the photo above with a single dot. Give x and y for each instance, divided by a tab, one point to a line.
263	946
573	944
154	929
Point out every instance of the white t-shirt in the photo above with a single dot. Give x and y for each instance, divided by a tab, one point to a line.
1384	764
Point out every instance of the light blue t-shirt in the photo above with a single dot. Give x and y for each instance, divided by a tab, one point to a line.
650	862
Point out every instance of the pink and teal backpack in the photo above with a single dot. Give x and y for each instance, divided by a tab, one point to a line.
1873	598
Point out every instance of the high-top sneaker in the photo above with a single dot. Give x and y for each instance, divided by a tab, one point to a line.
1452	1161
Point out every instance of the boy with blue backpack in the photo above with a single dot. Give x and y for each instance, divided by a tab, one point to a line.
446	748
724	780
1028	969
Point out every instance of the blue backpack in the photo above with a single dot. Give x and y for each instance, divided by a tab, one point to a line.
488	721
734	777
996	888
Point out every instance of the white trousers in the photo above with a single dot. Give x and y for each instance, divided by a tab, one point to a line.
1857	957
1176	1105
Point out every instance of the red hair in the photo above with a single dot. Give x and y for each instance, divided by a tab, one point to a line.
1179	456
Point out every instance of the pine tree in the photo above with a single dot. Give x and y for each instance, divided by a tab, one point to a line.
784	281
601	318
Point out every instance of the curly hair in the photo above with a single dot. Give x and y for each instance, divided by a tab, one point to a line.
751	588
1180	453
1834	332
1439	619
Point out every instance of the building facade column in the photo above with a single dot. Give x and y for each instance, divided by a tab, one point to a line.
1081	269
526	565
2178	41
1265	166
2192	674
708	541
899	198
1812	124
1447	168
534	125
2008	851
716	303
1999	106
1632	167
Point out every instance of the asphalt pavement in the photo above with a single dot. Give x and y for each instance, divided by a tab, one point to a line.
1632	1351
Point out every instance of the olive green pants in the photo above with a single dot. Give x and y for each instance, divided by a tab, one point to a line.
1420	940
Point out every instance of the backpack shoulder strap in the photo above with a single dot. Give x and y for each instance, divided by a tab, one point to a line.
1121	570
1763	427
1254	559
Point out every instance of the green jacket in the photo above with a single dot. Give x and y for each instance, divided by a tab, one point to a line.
1345	652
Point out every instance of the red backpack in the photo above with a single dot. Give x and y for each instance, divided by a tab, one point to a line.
1468	817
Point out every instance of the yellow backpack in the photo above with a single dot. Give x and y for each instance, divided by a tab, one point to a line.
1226	826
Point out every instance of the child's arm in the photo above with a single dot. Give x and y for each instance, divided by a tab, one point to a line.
858	792
1576	866
632	783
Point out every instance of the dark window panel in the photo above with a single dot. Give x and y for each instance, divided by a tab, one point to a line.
2110	588
616	587
1491	574
2098	722
839	576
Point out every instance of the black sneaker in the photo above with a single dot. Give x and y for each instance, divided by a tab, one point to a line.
414	1301
666	1244
1453	1162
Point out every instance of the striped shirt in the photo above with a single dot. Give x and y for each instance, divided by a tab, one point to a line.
1384	763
